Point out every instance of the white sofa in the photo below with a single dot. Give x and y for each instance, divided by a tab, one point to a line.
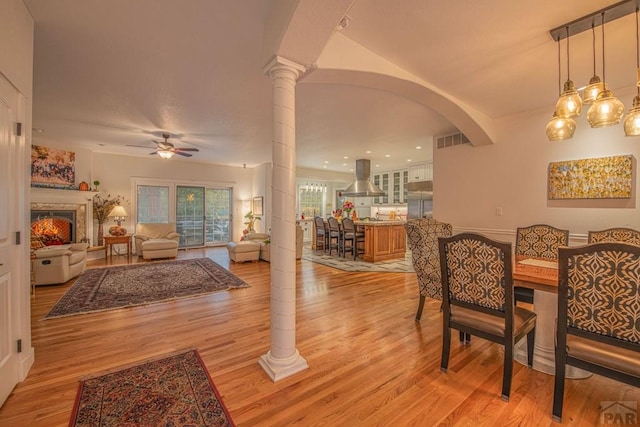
156	240
59	264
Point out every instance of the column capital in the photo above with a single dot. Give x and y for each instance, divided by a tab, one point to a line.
278	63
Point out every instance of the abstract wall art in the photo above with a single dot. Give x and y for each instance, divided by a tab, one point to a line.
598	178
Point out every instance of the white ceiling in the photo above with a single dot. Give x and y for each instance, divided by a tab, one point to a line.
113	73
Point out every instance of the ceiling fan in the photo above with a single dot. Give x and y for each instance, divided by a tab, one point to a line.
166	149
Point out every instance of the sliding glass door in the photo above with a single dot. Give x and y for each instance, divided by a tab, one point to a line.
190	215
203	215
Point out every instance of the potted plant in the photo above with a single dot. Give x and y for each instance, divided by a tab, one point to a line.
250	221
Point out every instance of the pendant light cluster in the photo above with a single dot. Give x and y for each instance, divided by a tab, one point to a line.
605	109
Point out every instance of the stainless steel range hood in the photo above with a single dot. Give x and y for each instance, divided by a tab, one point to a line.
363	187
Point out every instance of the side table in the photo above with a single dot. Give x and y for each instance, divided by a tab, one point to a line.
109	241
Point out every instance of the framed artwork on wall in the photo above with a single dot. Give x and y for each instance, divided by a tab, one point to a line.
51	167
257	207
598	178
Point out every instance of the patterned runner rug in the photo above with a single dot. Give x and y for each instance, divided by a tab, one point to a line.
175	390
109	288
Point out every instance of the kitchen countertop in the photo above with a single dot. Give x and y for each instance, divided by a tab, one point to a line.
381	222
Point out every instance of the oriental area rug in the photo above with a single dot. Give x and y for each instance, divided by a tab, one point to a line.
347	263
121	286
175	390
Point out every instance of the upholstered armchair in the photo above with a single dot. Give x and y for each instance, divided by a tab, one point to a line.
264	240
540	241
57	264
422	237
477	290
617	234
156	240
598	320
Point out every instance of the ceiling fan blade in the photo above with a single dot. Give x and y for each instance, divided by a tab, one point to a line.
187	149
182	154
139	146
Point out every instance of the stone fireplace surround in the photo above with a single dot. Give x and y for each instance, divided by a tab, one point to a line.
52	199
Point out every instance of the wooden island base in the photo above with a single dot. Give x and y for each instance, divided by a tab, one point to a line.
383	240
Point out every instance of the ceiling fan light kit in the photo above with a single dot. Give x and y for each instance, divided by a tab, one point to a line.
605	109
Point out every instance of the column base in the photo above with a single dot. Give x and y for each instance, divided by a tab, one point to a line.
278	369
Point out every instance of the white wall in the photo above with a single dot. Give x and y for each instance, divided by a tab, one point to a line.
471	182
115	172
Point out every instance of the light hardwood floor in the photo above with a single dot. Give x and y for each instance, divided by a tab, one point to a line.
370	363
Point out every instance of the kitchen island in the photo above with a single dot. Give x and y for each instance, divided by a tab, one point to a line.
383	240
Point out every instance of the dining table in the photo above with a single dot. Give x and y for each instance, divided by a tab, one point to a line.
542	276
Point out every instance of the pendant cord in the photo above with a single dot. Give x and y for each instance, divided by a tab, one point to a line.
593	39
568	73
637	50
604	79
559	68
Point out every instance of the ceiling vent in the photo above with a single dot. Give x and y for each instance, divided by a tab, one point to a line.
451	140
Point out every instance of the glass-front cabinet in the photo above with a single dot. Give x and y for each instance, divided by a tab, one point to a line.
394	184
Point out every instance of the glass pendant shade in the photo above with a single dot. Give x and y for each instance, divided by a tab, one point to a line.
607	110
569	104
632	121
560	128
592	90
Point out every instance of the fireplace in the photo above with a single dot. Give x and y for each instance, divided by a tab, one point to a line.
54	227
64	216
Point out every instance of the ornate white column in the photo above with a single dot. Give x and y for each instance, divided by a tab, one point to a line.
283	359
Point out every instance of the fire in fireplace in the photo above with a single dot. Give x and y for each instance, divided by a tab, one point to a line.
54	227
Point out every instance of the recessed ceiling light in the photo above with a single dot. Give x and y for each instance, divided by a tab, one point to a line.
351	170
325	166
377	166
368	151
418	148
37	130
344	164
326	161
346	157
387	155
408	160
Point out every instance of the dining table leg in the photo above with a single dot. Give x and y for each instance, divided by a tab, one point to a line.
546	307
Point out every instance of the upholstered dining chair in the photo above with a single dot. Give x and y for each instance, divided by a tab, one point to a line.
539	241
321	233
617	234
422	238
598	325
477	294
334	235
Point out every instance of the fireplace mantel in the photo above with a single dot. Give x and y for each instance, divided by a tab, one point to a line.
55	195
81	201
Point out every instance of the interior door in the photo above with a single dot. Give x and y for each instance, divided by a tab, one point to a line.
9	270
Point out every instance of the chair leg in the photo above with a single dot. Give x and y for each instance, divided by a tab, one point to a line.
531	343
465	338
420	307
558	389
508	371
446	345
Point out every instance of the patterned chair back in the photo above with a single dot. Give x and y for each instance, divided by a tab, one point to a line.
599	290
422	236
540	241
319	225
619	234
476	271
